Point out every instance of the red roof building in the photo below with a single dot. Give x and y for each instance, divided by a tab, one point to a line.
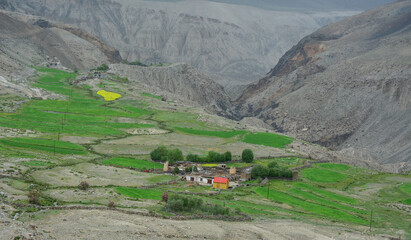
220	183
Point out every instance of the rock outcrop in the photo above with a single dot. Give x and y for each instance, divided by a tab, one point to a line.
346	86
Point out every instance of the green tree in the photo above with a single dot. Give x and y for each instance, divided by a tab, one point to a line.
175	155
176	170
273	164
227	156
259	171
159	154
247	155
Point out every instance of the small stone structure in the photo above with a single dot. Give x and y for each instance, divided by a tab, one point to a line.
165	169
233	170
295	175
245	176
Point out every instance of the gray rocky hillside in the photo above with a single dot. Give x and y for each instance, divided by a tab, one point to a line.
346	86
26	40
181	82
232	43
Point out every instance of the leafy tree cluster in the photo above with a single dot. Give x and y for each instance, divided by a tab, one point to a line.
178	203
272	170
211	157
163	154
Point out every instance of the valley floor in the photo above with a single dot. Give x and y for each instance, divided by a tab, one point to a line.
94	224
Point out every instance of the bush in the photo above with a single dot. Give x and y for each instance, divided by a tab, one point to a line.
83	185
247	155
165	197
103	67
178	203
34	197
191	169
259	171
111	204
159	154
273	164
176	170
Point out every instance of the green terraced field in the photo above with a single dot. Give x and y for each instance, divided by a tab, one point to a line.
220	134
139	193
45	145
301	204
131	162
327	194
334	166
35	163
268	139
150	95
323	175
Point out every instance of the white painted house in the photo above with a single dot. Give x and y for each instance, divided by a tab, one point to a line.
199	179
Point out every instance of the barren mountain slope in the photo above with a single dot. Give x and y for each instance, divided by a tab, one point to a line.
233	44
24	41
345	86
182	81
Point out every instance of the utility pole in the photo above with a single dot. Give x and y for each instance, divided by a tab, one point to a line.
54	147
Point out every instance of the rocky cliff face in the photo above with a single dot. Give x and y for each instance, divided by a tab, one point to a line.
233	44
182	81
346	86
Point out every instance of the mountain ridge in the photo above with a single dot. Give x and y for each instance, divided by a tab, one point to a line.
344	86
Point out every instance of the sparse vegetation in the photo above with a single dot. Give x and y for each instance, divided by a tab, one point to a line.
34	197
84	185
102	67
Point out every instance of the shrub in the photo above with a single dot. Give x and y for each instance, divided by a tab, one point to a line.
176	170
165	197
259	171
159	154
34	197
103	67
83	185
178	203
191	169
111	204
247	155
273	164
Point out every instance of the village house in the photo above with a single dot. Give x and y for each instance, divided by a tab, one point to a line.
221	183
199	179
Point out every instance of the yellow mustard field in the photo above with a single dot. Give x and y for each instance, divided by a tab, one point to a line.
108	96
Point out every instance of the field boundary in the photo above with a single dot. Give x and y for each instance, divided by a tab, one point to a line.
244	218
